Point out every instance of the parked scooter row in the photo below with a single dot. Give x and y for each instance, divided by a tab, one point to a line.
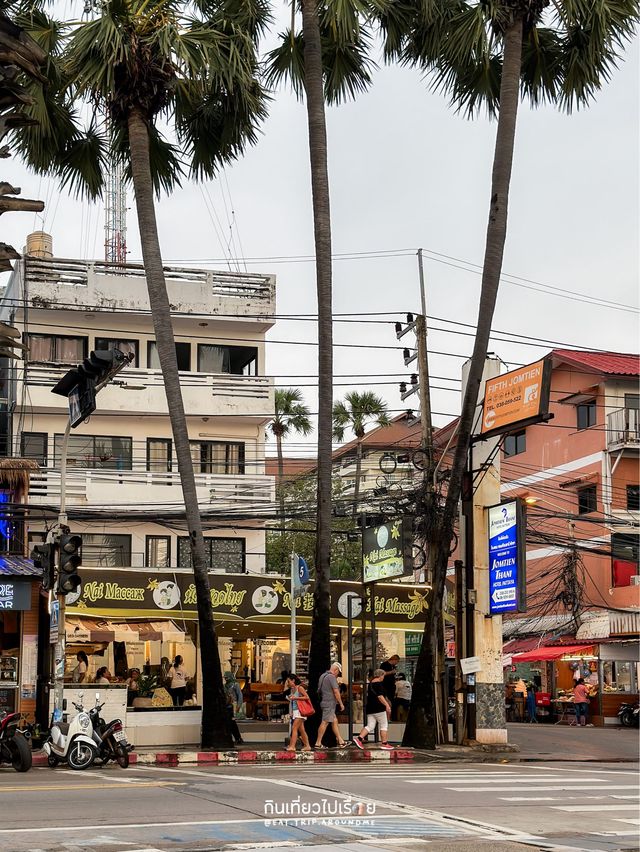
629	715
87	738
15	747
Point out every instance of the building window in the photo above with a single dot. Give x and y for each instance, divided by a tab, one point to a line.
33	445
625	550
515	444
238	360
587	499
127	347
183	355
632	400
159	454
95	451
217	457
158	551
222	554
55	349
586	414
633	498
106	550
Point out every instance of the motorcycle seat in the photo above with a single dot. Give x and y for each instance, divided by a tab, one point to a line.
63	727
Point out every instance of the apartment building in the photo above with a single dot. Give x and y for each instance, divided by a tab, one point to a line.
123	488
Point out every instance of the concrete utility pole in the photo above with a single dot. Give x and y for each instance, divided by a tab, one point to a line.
487	630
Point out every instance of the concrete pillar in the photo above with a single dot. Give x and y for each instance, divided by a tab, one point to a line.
490	710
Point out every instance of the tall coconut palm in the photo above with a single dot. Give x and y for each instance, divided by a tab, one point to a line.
355	413
325	61
142	63
492	55
291	415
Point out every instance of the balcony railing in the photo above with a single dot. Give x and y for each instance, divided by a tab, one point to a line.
77	274
623	428
96	486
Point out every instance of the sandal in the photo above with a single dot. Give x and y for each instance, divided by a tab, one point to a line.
321	748
290	749
307	749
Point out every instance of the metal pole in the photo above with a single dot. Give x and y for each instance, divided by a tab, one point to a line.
374	643
59	662
349	662
294	568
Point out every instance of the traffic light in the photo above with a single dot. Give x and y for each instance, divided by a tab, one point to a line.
79	384
70	561
44	557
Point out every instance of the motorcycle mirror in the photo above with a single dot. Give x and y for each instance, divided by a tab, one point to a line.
97	697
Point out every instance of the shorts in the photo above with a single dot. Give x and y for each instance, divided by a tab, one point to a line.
296	714
328	712
379	719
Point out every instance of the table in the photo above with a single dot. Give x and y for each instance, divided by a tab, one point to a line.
268	704
564	704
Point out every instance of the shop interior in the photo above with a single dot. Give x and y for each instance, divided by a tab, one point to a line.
9	658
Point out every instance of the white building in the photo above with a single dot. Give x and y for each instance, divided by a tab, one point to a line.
123	491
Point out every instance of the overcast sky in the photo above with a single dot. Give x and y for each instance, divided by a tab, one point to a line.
405	172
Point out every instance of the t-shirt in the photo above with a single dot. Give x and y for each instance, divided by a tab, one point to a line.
389	682
403	690
580	694
374	705
178	677
80	669
326	686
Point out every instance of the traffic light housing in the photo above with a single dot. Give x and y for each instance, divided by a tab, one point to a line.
79	384
44	557
70	561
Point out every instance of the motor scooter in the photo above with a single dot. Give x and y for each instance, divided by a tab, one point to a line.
110	738
15	747
72	742
628	715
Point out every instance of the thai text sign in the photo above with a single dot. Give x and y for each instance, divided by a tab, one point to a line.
506	561
521	395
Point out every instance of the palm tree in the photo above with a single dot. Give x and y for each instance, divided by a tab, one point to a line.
355	413
494	55
291	415
142	62
326	61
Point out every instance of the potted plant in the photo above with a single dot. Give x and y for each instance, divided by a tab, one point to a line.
147	684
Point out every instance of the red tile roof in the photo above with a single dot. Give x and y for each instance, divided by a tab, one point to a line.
607	363
398	435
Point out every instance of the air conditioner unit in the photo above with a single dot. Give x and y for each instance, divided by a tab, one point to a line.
635	581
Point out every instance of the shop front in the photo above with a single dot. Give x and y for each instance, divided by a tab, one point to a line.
128	619
610	670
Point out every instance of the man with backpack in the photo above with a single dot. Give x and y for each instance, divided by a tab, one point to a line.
329	695
378	710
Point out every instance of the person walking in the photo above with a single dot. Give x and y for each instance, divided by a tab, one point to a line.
79	674
402	700
378	712
389	683
233	694
297	691
581	702
329	694
178	682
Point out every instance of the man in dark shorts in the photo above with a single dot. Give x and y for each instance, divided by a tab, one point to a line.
378	710
329	692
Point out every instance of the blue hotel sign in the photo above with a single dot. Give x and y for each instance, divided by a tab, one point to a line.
507	561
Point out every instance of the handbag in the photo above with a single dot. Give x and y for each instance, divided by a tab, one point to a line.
305	707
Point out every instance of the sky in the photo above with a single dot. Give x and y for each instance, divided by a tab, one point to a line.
407	172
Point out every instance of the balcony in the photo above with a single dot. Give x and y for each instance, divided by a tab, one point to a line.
623	429
110	489
204	394
99	286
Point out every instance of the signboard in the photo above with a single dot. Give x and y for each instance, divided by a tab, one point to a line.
387	551
469	665
15	594
518	397
114	593
8	700
507	560
54	618
412	644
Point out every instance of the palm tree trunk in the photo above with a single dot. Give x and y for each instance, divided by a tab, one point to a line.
319	650
215	727
356	491
281	487
420	730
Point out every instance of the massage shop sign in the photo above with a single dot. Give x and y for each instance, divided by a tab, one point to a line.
235	597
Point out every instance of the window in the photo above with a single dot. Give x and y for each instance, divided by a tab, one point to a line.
33	445
617	675
53	348
515	444
632	400
587	499
223	554
586	414
125	346
183	354
159	454
158	551
238	360
217	457
107	551
633	498
95	451
625	548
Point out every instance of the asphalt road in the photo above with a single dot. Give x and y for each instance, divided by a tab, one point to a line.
457	806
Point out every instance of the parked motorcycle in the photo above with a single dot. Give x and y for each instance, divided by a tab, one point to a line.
72	742
629	715
110	738
14	746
